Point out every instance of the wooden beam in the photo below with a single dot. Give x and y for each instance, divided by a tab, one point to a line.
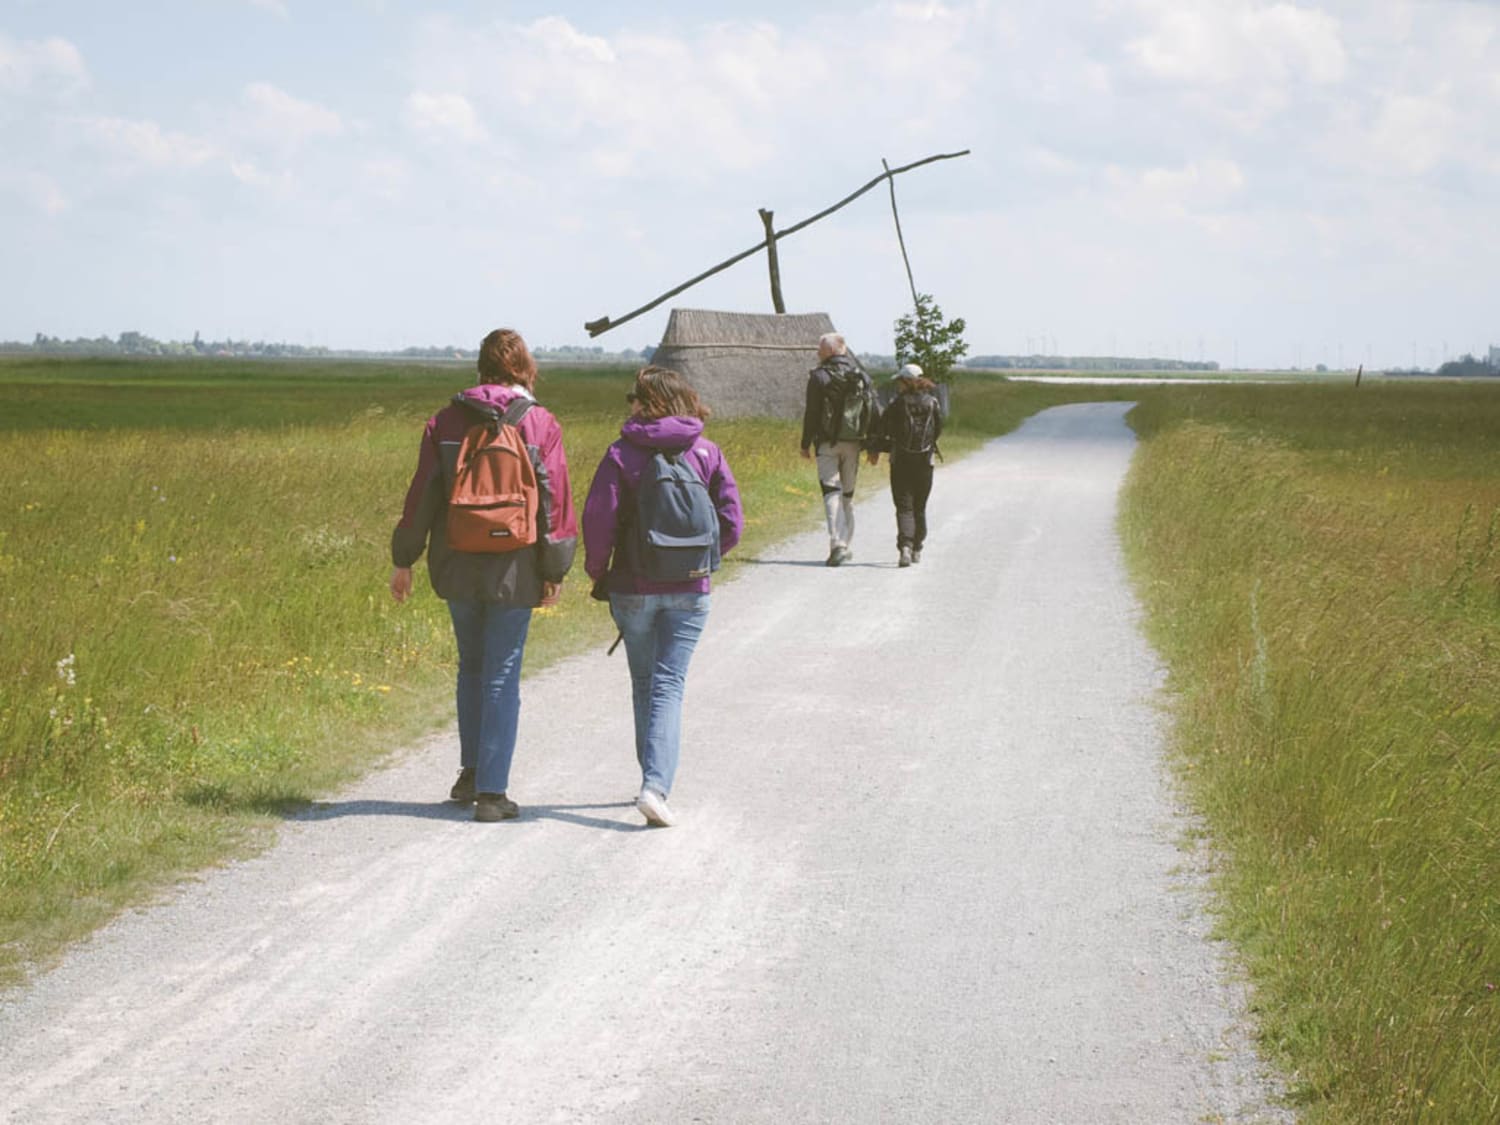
605	323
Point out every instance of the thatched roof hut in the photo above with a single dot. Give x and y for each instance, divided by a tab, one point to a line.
744	363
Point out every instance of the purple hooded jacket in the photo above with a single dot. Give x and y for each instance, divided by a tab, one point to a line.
512	579
615	484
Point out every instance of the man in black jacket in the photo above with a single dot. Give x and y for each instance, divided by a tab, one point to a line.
838	418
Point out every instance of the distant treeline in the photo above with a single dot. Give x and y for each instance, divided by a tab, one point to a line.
1468	365
1087	363
139	344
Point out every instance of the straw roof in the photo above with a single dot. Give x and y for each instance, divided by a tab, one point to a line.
744	363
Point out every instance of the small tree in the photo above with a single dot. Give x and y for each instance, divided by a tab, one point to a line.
925	339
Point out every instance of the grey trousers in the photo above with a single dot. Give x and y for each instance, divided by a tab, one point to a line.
838	469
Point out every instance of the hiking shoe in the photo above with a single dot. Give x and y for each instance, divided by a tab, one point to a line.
916	554
490	807
835	557
653	806
905	558
463	788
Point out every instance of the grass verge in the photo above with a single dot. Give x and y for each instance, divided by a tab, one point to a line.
1320	571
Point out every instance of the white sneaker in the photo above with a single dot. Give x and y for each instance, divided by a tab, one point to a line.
653	806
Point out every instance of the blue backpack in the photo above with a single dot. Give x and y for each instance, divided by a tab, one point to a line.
675	533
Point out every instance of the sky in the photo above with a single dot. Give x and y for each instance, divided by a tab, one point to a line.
1259	184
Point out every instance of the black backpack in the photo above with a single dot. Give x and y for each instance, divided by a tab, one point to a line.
849	406
916	424
674	535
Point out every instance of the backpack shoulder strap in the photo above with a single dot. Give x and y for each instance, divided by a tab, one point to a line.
517	410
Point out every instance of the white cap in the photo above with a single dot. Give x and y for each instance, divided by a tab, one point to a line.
910	371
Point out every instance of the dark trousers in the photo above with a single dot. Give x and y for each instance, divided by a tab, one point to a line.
911	484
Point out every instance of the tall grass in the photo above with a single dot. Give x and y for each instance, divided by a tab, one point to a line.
1321	571
193	560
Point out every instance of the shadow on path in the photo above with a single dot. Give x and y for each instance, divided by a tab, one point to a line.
452	810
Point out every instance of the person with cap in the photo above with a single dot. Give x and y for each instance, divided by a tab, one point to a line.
909	430
840	413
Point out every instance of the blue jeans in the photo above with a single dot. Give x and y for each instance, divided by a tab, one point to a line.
491	638
660	631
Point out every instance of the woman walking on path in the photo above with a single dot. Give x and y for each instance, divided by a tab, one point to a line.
490	595
909	430
660	620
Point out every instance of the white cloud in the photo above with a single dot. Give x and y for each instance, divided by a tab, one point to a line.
1239	41
145	143
37	191
725	96
1199	190
51	66
443	117
276	116
1412	133
280	184
387	177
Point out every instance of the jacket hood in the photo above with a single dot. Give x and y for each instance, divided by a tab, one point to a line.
662	433
497	395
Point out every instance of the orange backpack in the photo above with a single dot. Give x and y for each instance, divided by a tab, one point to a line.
492	506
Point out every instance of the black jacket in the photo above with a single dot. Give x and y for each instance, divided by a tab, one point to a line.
890	433
817	389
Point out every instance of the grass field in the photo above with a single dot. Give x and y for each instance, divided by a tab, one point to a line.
1321	571
193	559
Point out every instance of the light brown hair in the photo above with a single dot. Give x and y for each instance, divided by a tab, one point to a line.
664	393
504	358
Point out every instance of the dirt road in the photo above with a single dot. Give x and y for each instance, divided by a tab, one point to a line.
927	871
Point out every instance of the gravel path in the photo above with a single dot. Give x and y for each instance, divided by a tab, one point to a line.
927	871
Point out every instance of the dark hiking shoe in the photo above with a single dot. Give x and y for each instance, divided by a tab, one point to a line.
905	558
490	807
835	557
463	788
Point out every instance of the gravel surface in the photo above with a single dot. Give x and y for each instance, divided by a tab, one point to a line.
928	870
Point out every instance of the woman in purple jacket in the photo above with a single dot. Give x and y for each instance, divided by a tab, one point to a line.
660	621
489	596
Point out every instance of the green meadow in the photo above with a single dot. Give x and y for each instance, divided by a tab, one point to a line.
198	639
1320	568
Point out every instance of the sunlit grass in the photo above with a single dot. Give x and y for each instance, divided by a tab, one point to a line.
197	637
193	560
1322	573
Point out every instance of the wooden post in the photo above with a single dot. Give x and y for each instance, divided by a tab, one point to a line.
1358	373
773	262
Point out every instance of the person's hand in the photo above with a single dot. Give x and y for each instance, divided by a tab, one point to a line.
872	457
806	454
401	583
551	593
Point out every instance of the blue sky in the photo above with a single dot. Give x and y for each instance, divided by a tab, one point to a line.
1258	183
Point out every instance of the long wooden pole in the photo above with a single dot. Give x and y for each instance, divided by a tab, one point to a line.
604	323
899	239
